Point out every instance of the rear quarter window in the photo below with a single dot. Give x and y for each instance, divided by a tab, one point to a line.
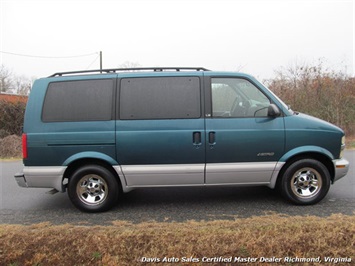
83	100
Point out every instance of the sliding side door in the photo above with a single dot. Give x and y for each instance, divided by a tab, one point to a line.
160	131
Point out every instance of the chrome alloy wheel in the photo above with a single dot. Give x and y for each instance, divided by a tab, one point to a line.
306	183
92	189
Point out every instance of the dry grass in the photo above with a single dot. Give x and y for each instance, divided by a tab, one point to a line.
11	147
125	243
350	142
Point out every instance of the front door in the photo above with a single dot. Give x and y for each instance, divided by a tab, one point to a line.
243	143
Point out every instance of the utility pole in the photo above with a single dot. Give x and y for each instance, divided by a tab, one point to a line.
100	61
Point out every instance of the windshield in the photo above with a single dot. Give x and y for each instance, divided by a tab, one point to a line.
287	107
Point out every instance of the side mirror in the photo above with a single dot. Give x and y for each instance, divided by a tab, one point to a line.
273	111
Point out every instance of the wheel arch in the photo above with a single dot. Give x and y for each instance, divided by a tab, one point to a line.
76	164
321	157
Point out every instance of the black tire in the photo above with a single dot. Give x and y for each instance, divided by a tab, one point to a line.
93	188
305	182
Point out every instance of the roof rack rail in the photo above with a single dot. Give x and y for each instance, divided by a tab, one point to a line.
114	70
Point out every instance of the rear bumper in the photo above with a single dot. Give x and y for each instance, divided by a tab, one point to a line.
42	177
341	167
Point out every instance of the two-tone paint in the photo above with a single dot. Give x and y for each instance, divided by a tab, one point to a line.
176	152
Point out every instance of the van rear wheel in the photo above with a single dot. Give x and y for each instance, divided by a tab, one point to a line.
305	182
93	188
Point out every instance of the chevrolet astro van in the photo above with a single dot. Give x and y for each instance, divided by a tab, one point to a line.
99	133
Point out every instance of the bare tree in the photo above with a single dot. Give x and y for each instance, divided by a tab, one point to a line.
22	85
129	64
5	79
319	91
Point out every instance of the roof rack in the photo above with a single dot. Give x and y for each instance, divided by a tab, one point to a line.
114	70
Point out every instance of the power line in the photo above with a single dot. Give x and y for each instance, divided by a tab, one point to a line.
93	62
52	57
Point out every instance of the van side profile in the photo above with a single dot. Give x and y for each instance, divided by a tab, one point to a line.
96	134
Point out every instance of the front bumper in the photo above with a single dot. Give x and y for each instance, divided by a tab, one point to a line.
341	167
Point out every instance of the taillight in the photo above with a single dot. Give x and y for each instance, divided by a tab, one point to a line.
24	146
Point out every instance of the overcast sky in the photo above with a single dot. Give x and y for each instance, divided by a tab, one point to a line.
257	37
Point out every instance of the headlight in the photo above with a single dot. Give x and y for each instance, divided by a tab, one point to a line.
342	146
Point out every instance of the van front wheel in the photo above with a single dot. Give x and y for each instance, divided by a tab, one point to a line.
93	188
305	182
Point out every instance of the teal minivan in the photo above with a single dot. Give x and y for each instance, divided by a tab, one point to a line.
97	134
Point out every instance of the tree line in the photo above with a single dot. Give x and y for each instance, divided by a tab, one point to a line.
307	88
318	91
12	83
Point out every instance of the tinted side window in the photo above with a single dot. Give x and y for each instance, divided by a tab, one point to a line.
84	100
160	98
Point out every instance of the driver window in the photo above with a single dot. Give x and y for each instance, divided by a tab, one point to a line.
232	97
